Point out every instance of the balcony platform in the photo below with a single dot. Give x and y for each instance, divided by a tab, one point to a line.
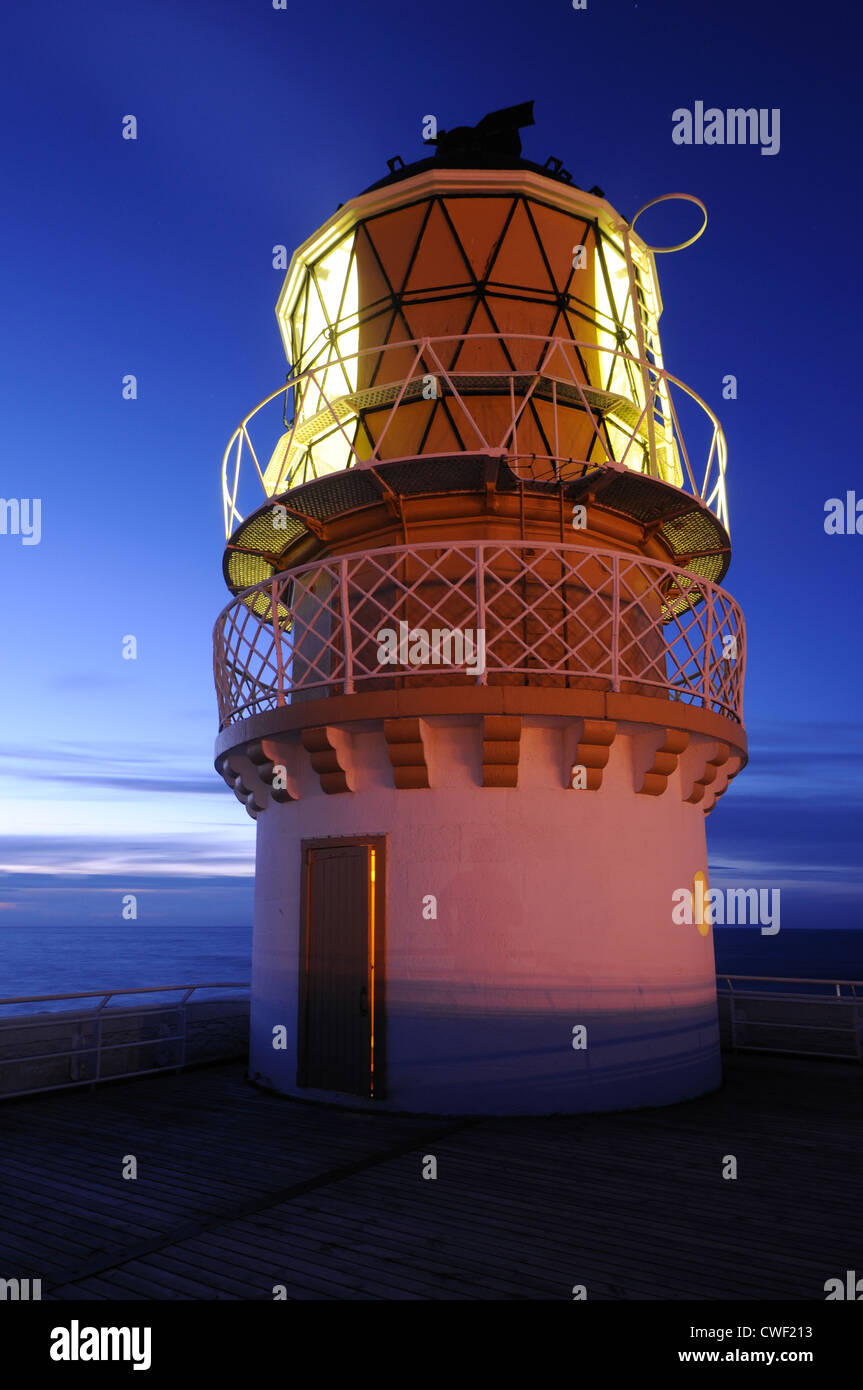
239	1191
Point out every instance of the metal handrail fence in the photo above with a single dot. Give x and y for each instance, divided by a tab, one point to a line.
574	373
815	991
847	993
315	628
96	1015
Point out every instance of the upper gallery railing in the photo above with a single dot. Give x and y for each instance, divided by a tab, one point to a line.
550	614
550	394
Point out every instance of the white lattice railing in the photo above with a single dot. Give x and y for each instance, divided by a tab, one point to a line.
553	615
617	406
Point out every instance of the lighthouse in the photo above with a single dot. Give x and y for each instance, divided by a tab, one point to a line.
479	682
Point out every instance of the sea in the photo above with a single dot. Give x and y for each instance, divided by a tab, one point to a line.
41	960
814	953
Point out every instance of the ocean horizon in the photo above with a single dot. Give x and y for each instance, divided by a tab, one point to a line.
43	960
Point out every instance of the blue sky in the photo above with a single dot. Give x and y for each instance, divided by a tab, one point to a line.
154	257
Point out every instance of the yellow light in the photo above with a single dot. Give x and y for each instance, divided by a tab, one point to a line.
323	326
699	894
615	297
372	861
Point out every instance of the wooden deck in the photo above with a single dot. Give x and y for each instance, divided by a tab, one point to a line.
238	1191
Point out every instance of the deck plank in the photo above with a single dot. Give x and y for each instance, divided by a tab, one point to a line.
238	1191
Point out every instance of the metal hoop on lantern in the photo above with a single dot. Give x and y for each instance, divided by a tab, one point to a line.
664	198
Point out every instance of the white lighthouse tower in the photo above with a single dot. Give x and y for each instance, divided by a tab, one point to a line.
478	682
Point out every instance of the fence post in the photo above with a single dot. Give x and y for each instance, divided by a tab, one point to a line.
277	637
98	1043
78	1043
615	624
479	582
184	1028
707	676
733	1017
347	645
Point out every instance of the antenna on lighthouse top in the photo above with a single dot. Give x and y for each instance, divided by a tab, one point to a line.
496	135
493	143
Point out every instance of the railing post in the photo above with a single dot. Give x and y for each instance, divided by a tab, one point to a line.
277	638
184	1027
733	1019
79	1042
98	1042
479	581
615	624
100	1008
708	653
347	645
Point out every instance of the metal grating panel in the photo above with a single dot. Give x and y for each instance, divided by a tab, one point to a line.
245	570
459	473
332	495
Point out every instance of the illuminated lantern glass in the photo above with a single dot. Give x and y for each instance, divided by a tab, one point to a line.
486	275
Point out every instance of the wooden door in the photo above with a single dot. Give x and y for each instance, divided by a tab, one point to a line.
339	995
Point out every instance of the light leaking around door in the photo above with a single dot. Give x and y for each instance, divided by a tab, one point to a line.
372	971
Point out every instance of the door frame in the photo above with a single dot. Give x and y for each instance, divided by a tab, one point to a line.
376	956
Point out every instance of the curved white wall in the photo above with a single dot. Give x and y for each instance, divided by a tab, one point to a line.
553	909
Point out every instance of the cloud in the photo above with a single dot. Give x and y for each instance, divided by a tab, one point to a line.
199	856
207	785
148	773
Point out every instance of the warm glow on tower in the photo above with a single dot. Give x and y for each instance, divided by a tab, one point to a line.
478	682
